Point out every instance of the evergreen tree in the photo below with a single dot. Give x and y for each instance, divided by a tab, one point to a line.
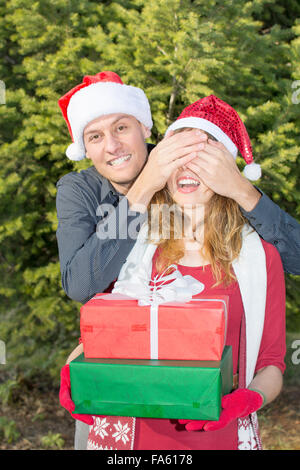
47	45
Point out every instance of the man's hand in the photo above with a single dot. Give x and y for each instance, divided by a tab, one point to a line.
216	168
173	152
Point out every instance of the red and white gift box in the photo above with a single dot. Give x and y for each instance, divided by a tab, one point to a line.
117	326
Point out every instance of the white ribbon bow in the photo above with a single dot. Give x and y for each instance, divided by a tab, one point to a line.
157	292
180	289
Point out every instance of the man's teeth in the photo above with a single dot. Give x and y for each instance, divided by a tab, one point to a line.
119	160
188	181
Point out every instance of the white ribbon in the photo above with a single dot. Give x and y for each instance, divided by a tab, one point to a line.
180	289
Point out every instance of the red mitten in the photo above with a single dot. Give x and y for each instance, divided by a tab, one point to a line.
237	404
65	396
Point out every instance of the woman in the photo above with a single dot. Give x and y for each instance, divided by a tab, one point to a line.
220	250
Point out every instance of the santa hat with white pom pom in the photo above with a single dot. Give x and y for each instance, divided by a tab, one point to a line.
99	95
216	117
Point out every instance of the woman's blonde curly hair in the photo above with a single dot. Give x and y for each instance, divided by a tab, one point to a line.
222	238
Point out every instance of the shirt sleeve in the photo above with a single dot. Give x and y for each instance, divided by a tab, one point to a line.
273	343
91	248
277	227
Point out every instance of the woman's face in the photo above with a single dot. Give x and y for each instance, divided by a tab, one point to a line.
186	188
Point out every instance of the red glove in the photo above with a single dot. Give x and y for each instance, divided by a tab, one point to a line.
237	404
65	396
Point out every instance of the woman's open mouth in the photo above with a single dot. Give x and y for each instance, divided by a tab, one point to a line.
187	184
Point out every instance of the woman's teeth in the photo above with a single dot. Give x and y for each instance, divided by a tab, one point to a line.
119	160
188	182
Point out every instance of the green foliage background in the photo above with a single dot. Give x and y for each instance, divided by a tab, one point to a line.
247	53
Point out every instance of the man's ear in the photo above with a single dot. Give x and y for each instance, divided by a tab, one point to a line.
146	131
87	156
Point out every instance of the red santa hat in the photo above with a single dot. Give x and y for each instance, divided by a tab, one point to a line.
219	119
99	95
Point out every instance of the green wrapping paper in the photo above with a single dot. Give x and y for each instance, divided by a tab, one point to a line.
151	388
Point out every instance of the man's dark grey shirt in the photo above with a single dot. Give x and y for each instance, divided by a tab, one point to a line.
92	233
93	239
275	226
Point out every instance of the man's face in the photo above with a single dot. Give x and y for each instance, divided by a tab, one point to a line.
116	145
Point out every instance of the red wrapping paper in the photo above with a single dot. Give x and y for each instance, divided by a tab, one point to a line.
121	329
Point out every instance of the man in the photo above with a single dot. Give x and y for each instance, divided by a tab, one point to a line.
109	122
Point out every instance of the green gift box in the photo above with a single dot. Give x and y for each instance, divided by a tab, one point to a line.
151	388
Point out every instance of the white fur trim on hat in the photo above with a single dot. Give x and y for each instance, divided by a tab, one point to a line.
100	99
252	171
75	152
208	126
